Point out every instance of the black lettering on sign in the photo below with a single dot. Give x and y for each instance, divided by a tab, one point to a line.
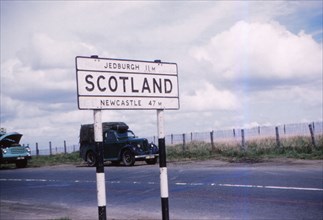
157	85
121	66
118	102
87	80
113	84
133	87
128	84
145	86
123	78
168	86
102	89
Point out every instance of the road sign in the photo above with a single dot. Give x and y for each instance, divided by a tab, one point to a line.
104	83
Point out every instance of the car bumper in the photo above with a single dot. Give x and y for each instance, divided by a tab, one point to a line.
14	159
146	156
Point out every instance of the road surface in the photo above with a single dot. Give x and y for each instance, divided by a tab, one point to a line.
197	190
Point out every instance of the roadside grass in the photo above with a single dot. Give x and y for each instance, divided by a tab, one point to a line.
57	159
255	150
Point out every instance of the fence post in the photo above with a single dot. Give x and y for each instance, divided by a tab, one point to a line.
284	129
234	132
212	142
312	135
65	147
191	136
50	148
184	142
243	143
258	130
37	150
313	127
277	137
172	139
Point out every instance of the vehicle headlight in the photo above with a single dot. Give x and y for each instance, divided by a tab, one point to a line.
138	145
28	149
4	151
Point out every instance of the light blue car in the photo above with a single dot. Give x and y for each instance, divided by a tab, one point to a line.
11	151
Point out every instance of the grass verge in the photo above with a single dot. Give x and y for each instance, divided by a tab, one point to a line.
255	151
57	159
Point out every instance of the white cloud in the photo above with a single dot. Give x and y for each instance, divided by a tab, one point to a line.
49	53
207	98
236	45
304	96
48	85
262	51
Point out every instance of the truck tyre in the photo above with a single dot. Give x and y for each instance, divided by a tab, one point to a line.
128	158
91	158
21	163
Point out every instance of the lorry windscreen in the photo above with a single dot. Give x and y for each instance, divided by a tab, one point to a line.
126	134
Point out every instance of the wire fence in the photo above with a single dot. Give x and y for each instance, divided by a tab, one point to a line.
241	136
235	136
50	150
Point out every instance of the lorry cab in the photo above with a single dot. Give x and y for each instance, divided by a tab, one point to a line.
119	143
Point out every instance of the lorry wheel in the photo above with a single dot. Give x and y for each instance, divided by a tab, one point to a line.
151	161
21	163
91	159
128	158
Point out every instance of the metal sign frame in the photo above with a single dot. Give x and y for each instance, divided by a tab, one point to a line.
120	84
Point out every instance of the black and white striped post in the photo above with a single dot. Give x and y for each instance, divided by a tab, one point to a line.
100	176
162	164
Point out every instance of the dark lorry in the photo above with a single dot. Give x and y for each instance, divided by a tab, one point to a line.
119	143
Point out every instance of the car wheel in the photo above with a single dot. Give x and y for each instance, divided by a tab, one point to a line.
128	158
151	161
21	163
91	159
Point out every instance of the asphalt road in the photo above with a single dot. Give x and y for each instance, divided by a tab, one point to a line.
199	190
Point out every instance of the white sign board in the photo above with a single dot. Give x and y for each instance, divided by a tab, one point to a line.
104	83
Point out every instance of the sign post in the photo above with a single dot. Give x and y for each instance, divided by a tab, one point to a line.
100	176
162	164
116	84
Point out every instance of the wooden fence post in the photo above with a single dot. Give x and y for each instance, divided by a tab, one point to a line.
65	147
277	137
184	142
212	141
234	132
284	129
37	150
171	139
243	143
50	148
312	135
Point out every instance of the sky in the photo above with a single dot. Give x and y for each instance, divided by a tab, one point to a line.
240	63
